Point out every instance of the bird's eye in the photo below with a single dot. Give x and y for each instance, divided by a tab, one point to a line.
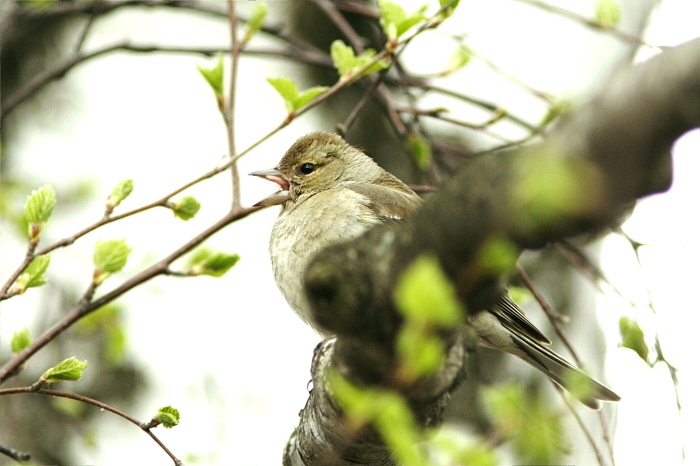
307	168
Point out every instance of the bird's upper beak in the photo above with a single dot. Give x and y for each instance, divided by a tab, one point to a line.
274	175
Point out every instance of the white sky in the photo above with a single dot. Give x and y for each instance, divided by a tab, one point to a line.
153	119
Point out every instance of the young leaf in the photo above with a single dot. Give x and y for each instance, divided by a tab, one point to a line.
421	150
394	19
109	257
633	337
287	89
424	294
458	60
120	192
255	22
186	208
33	275
214	76
38	209
168	416
347	63
308	95
69	369
449	11
220	263
607	13
20	340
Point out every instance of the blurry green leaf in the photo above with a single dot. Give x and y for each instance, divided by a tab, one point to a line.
214	76
168	416
553	190
186	208
633	337
554	111
461	448
109	256
424	294
607	13
497	256
69	369
386	411
421	150
394	19
421	354
519	294
536	430
33	275
255	22
347	63
20	340
120	192
449	11
73	408
107	320
458	60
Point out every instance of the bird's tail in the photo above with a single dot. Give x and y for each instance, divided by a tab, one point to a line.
495	333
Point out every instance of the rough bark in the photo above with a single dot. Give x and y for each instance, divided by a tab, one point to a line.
603	157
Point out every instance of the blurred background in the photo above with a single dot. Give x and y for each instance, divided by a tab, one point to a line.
227	352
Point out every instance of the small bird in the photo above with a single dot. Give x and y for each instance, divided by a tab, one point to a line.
332	192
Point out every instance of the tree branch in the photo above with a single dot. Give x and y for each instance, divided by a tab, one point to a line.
608	154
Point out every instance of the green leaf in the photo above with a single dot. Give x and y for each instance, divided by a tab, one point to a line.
287	89
633	337
348	64
420	354
220	263
531	422
449	11
607	13
33	275
214	76
186	208
120	192
168	416
308	95
461	448
394	19
421	150
109	256
69	369
20	340
458	60
293	100
38	209
424	294
255	22
497	256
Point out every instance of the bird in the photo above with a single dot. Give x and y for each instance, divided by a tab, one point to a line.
331	192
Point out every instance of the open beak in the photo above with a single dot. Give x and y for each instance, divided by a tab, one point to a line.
274	175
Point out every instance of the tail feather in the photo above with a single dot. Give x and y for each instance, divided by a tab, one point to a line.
506	336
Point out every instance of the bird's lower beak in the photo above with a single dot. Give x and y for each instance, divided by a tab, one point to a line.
274	175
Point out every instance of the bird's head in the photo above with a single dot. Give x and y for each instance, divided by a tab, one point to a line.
317	162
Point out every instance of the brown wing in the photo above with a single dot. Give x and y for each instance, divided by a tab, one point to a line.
513	318
388	202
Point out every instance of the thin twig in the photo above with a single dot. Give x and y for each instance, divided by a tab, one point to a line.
582	425
229	112
99	404
154	270
585	21
331	10
553	316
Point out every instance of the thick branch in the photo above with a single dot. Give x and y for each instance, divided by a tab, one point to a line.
588	171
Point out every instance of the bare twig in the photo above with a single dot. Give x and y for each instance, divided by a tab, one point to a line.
84	399
229	113
582	425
